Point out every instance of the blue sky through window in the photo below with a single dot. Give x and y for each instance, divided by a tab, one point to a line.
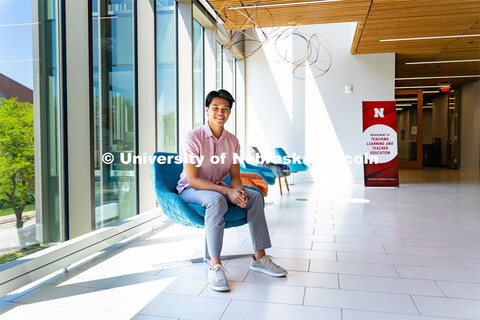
16	42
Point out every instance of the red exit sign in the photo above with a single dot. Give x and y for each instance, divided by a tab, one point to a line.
445	86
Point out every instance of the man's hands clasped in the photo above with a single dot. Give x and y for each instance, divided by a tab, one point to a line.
238	196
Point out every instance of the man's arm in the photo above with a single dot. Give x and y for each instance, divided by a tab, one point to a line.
235	177
192	171
236	183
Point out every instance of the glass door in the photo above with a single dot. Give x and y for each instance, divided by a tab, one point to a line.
409	107
451	143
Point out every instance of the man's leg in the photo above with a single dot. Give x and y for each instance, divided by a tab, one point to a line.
216	207
257	223
260	237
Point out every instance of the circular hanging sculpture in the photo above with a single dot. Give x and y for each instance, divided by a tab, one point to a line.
308	54
238	23
243	30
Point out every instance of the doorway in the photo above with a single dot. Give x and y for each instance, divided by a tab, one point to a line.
409	109
451	143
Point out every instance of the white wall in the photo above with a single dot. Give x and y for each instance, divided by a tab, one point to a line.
315	117
470	126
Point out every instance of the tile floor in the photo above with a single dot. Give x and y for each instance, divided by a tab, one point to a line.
352	253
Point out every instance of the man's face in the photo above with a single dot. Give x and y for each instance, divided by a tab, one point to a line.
218	111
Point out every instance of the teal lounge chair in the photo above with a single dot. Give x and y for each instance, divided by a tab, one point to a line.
165	178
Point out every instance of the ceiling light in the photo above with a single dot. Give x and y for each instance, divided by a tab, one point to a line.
406	99
442	77
435	62
435	37
417	87
431	91
282	4
404	104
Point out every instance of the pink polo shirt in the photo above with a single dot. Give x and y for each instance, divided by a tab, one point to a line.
201	142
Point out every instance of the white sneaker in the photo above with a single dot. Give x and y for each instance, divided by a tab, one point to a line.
218	280
267	266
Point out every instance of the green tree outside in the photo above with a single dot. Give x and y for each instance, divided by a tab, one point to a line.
17	166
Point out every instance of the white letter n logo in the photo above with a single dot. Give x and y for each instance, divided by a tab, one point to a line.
378	113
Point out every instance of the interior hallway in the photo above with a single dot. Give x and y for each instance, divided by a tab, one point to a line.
352	253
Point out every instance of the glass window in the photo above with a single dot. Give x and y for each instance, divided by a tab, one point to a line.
166	77
28	82
114	116
198	69
407	127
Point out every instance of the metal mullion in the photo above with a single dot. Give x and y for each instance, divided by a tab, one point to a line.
40	120
193	66
135	108
203	71
91	121
177	117
62	120
155	104
101	61
221	66
235	92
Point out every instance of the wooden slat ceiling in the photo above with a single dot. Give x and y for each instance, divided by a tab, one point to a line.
327	12
393	19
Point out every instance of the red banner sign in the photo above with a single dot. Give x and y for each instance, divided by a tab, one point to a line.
380	141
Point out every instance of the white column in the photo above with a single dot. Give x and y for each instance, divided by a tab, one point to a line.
80	166
185	67
146	98
210	60
228	85
241	106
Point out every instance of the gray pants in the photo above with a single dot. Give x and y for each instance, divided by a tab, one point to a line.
216	206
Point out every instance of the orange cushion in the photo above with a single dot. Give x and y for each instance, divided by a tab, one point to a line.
254	180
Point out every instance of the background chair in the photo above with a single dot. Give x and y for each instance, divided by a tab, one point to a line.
165	178
278	169
265	173
294	167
